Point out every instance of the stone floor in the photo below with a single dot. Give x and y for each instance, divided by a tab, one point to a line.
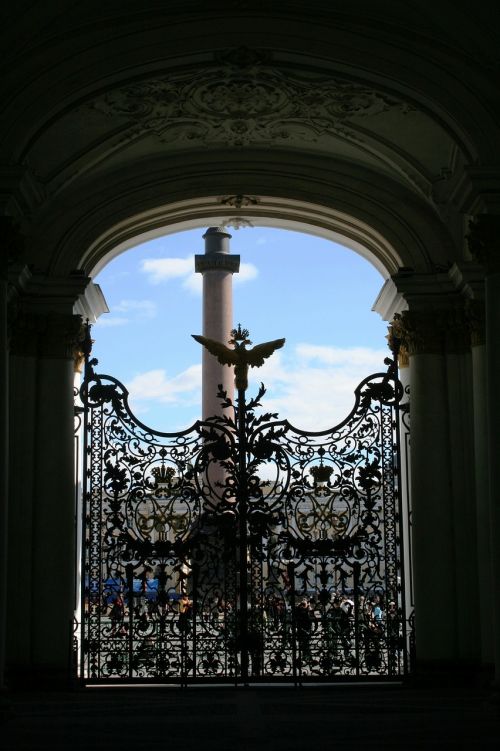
251	719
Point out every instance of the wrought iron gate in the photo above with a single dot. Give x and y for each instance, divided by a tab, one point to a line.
242	549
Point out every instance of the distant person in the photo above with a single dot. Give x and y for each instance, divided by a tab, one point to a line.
304	623
185	614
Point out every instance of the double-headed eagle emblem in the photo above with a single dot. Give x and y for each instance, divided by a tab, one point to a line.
240	357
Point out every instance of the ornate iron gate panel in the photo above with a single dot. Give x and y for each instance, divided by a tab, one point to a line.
242	549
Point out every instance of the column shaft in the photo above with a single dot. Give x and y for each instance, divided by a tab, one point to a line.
217	324
483	520
217	267
42	519
54	516
492	302
432	531
4	460
22	489
461	453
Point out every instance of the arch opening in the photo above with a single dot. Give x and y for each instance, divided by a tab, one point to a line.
229	550
315	292
239	210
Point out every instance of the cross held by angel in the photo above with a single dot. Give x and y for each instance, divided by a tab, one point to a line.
241	357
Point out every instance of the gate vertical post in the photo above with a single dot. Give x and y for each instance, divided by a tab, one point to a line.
403	442
242	511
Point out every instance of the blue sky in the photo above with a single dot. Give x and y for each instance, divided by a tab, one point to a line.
310	290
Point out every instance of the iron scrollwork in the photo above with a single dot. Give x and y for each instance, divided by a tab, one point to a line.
241	548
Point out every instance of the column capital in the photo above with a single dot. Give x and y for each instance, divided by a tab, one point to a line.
417	332
11	244
432	331
217	253
476	319
484	241
50	334
395	343
217	262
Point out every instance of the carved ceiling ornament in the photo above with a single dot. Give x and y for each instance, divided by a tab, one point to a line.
241	99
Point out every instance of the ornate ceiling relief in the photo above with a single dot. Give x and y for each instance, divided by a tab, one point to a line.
241	99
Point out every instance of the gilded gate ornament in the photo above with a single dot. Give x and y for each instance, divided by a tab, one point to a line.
240	357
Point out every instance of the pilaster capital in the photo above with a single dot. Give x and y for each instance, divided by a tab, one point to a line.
51	334
484	241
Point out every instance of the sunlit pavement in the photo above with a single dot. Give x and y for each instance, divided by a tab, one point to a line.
244	719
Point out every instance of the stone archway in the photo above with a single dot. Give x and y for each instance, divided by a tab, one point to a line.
294	212
379	126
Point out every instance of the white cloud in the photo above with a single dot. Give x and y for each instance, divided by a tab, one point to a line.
194	283
313	387
108	321
247	273
141	308
163	269
134	309
341	356
155	385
